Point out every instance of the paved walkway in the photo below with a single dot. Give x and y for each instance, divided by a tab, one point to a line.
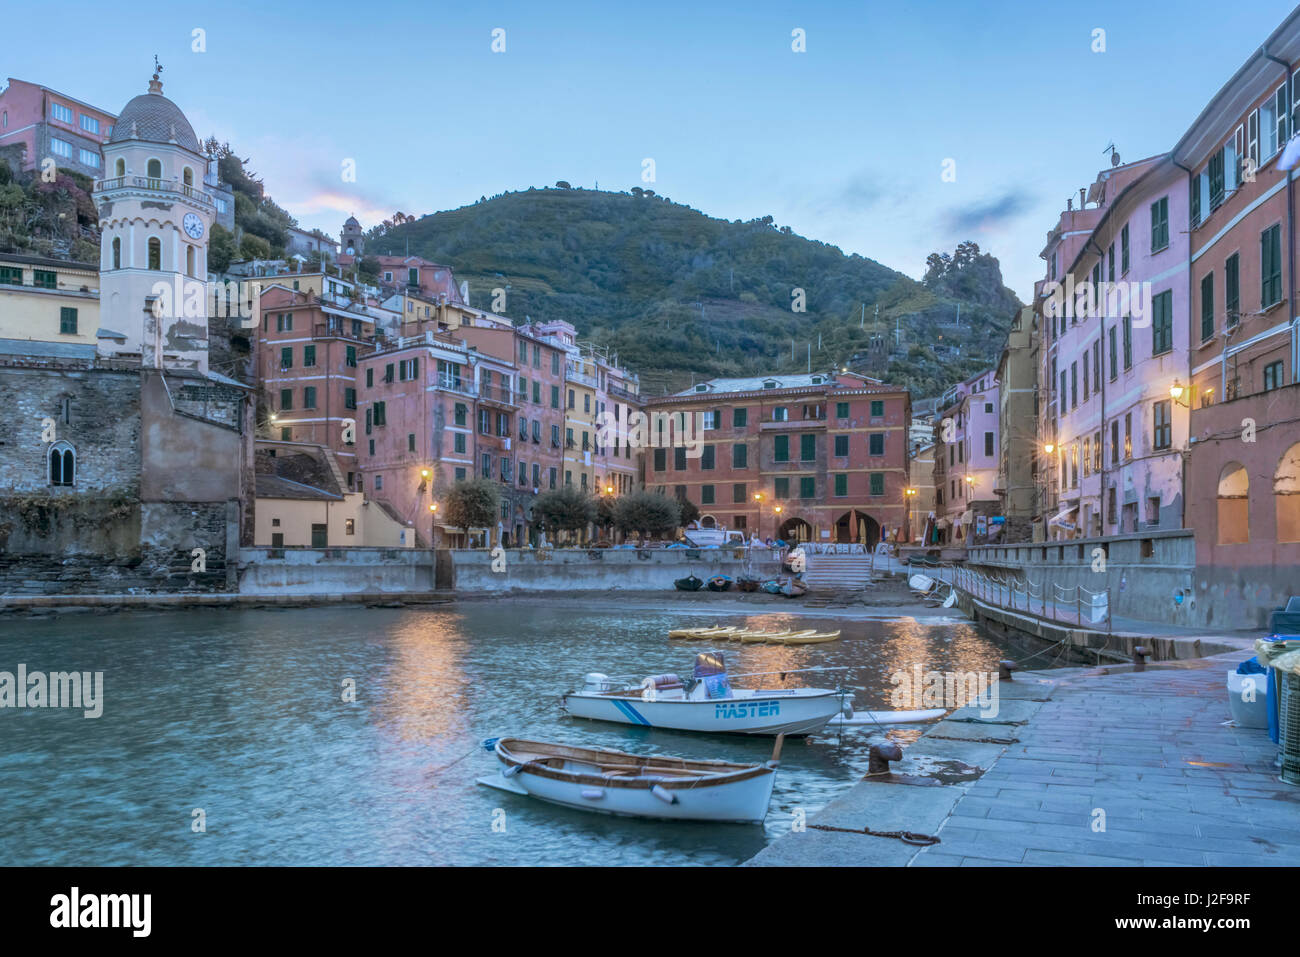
1153	752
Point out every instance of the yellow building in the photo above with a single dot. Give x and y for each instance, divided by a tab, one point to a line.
48	300
580	409
303	502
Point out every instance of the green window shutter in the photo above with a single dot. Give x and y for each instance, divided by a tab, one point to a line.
706	494
877	443
841	410
781	488
781	448
807	447
807	486
309	355
738	493
352	356
739	418
286	398
286	357
877	408
877	483
309	397
841	445
661	460
67	321
740	456
841	484
706	459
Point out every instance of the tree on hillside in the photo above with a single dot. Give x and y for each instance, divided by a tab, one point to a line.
473	503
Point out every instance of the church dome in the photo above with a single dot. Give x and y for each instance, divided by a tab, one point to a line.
154	118
351	221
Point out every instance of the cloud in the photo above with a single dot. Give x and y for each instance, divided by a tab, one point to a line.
989	215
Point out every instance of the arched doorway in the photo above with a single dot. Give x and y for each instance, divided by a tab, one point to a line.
794	530
857	526
1286	495
1234	505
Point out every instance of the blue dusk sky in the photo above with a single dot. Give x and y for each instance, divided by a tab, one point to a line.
844	142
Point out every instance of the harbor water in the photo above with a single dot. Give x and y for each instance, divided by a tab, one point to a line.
353	735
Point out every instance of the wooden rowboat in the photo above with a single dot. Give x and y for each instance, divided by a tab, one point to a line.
615	782
771	636
815	638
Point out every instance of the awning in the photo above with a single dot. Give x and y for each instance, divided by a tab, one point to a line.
967	517
943	524
1063	519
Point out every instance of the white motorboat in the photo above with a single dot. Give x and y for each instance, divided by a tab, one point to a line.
615	782
706	703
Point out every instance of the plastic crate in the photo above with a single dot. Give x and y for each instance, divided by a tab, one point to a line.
1288	718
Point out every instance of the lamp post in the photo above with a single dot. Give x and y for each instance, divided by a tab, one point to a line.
908	495
433	524
758	523
776	520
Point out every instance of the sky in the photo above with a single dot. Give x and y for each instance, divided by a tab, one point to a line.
846	142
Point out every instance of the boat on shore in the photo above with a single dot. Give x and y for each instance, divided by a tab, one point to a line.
615	782
719	583
689	583
705	702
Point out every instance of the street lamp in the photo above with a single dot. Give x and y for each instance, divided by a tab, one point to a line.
758	524
433	524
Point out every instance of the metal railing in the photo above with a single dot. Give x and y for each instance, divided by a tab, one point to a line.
155	185
1065	604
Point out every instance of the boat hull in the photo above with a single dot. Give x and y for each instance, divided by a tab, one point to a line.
765	713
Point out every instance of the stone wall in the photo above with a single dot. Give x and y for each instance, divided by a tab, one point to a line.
270	572
576	569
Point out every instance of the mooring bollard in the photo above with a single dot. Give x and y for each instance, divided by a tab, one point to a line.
1005	667
1140	658
880	755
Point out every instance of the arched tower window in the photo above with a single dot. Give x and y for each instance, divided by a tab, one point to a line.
155	253
189	261
119	168
1234	505
63	464
117	252
154	169
187	177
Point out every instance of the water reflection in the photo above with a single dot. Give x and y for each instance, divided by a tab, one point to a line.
242	714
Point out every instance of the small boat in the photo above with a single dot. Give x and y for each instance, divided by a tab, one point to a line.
689	583
772	588
794	588
760	636
815	638
706	702
747	584
719	583
713	632
631	785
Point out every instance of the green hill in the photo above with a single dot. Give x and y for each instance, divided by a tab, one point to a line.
680	295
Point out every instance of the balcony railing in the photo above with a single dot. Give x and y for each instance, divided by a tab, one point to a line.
452	384
494	393
793	424
155	186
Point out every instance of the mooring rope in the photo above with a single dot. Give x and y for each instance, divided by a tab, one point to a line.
907	837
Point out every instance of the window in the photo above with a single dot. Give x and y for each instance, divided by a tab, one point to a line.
1087	457
877	483
63	464
1128	342
1096	367
661	460
485	465
1160	224
1162	322
841	445
807	447
988	443
877	408
153	169
309	397
155	254
1110	263
60	147
841	484
1270	266
349	398
1074	385
841	410
876	443
779	414
381	413
807	486
485	424
739	418
459	444
308	355
710	420
1114	441
706	494
410	439
1123	250
738	493
117	253
286	357
679	459
88	158
1273	376
1216	180
781	448
1232	289
1087	380
707	457
1162	426
286	435
555	397
740	456
781	488
1207	306
67	321
460	414
61	113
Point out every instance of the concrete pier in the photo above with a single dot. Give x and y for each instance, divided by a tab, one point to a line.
1089	766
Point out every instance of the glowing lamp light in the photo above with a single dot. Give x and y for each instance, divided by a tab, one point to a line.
1049	448
1176	390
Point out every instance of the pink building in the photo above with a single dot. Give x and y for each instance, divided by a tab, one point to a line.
1113	315
967	457
46	123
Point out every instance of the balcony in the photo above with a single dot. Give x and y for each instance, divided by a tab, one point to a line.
581	378
151	185
453	384
804	424
498	394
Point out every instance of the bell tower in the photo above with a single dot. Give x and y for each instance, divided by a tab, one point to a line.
154	218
